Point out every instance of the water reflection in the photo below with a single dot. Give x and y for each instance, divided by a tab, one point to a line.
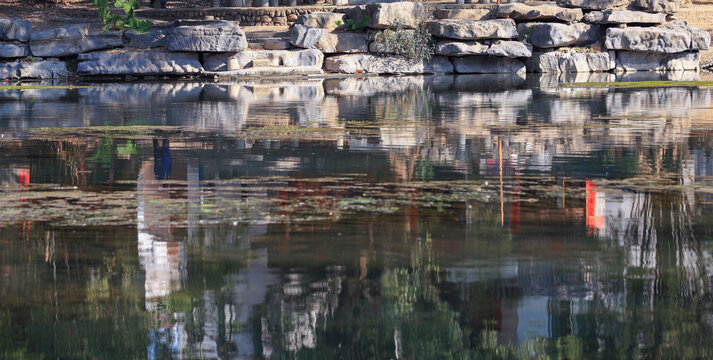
576	223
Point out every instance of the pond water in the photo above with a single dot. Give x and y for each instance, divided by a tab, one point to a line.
392	217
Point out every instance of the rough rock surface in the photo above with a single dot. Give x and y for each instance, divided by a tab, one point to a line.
382	15
650	39
700	39
10	70
651	61
46	69
664	6
487	65
276	44
550	35
594	4
15	29
138	63
275	58
366	63
10	50
463	14
624	17
472	29
150	39
306	37
546	12
330	43
321	20
511	49
567	61
213	36
71	40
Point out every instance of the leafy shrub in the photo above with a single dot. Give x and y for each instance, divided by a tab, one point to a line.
360	25
118	22
414	44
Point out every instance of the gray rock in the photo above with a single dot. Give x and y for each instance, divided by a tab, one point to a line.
330	43
46	69
212	36
138	63
71	40
487	65
382	15
464	14
700	39
306	37
511	49
550	35
651	61
648	39
150	39
663	6
594	4
276	44
366	63
15	29
524	12
10	50
275	58
567	61
624	17
10	70
472	29
321	20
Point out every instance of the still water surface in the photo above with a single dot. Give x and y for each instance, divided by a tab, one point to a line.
410	217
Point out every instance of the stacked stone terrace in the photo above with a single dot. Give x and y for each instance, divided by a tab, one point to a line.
573	36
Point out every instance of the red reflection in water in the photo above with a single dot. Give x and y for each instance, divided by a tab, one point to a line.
594	221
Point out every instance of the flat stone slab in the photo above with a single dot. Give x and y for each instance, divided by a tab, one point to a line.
463	14
568	61
473	29
651	61
382	15
138	63
656	6
276	44
624	17
367	63
210	36
650	39
594	4
45	69
321	20
551	35
15	29
275	58
11	50
72	40
487	65
505	48
545	12
700	39
328	42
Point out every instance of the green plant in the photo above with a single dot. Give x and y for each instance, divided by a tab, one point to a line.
118	22
360	25
414	44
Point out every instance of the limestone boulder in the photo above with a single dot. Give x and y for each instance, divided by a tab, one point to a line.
274	58
568	61
594	4
72	40
382	15
321	20
463	14
138	63
624	17
15	29
487	65
10	70
652	61
13	50
513	49
343	42
552	35
473	29
650	39
206	36
45	69
545	12
658	6
276	44
700	39
155	37
306	37
367	63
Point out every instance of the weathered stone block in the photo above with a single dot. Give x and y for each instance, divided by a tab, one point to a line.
138	63
498	48
150	39
463	14
366	63
624	17
487	65
663	6
296	58
343	42
545	12
649	39
568	61
10	70
15	29
651	61
10	50
551	35
213	36
276	44
71	40
472	29
46	69
382	15
321	20
594	4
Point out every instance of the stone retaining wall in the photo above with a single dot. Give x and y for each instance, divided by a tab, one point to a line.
584	36
245	16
